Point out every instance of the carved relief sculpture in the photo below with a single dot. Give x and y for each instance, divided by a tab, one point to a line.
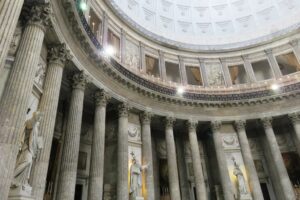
31	144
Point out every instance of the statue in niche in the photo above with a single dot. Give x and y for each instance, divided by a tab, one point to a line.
241	183
135	178
30	145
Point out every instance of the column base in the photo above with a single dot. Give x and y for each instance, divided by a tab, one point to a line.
245	197
20	193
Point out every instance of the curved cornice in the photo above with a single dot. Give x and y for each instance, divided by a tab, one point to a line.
167	96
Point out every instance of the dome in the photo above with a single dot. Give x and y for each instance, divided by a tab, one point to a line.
209	24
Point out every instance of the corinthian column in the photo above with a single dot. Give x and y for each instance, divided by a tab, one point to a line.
283	177
9	15
57	57
148	178
248	160
295	118
197	167
122	183
222	163
172	161
70	152
14	102
97	155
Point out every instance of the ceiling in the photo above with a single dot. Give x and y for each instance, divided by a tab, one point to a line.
208	24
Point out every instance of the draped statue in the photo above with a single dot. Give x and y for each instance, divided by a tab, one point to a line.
136	170
241	183
30	144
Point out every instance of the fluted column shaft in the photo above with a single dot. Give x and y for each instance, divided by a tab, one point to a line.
9	15
57	56
197	166
222	163
278	164
248	160
97	154
148	178
122	182
70	152
172	161
295	118
14	102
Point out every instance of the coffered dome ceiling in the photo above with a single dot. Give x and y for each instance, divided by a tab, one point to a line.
210	24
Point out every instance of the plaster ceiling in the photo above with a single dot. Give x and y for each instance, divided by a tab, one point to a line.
208	23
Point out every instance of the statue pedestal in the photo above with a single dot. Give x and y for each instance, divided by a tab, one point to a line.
245	197
20	193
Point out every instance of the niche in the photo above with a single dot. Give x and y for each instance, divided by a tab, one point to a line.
114	41
238	74
193	74
172	72
262	70
152	67
288	63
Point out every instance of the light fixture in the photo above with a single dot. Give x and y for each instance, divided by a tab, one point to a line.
83	6
109	50
274	86
180	90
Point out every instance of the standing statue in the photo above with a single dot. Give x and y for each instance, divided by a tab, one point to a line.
135	178
30	145
241	183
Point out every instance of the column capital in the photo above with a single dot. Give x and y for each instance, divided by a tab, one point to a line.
216	125
39	15
80	80
101	98
59	54
294	117
269	51
191	125
145	117
240	124
123	109
169	122
267	122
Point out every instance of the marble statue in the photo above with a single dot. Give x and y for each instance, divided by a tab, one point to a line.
30	145
241	183
135	178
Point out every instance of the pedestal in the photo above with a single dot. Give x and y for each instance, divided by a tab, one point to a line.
20	193
139	198
245	197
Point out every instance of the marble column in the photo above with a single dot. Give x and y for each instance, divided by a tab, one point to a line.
296	49
162	65
273	64
15	99
203	72
295	119
249	69
123	46
226	73
182	71
283	177
122	177
70	152
104	30
142	57
251	173
172	161
95	191
147	158
197	166
9	15
222	162
57	57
